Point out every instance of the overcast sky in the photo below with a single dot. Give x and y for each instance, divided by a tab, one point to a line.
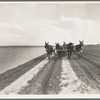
34	23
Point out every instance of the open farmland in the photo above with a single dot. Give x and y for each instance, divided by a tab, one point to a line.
55	76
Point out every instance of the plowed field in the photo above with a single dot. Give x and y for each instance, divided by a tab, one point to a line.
55	76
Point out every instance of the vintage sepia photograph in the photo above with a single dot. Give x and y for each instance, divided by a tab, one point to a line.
50	49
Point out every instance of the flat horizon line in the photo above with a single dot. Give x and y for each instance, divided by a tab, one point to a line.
20	45
33	45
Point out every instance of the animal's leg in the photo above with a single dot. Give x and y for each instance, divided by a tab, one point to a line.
59	54
68	54
51	53
54	51
76	54
48	55
81	53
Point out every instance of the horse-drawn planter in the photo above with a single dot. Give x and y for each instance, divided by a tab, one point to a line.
64	50
62	53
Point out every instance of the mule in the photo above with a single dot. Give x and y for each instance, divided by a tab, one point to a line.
49	50
78	49
59	50
69	49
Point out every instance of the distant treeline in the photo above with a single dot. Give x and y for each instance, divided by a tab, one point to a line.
92	45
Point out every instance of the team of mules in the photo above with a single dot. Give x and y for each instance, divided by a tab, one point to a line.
65	49
49	49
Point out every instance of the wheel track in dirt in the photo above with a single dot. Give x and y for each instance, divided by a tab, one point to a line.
54	82
11	75
87	76
47	78
90	66
92	60
43	82
40	84
90	53
96	65
78	70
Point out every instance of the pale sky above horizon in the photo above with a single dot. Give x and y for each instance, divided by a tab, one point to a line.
34	23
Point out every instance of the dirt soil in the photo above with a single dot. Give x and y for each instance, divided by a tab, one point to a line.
47	80
13	74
